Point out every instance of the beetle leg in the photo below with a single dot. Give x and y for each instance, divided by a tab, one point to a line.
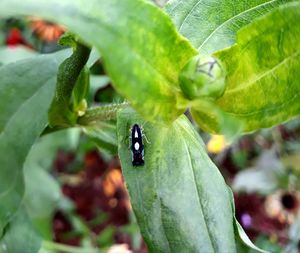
146	138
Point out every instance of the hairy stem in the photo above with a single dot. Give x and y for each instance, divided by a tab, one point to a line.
100	113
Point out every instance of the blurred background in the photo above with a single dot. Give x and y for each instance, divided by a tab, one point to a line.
75	193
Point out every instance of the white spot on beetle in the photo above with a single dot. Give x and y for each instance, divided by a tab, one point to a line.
136	146
136	135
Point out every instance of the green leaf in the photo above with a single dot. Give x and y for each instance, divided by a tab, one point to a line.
43	152
20	236
41	198
212	25
26	88
262	84
211	118
239	231
81	91
142	53
9	55
104	134
40	202
179	197
97	82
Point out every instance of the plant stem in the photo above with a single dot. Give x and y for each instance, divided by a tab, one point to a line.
100	113
66	248
59	112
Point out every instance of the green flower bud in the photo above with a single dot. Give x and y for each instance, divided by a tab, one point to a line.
202	76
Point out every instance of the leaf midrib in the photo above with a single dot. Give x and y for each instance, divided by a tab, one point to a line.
197	190
221	25
244	85
256	79
232	18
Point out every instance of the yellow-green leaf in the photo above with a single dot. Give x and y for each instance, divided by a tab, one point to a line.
141	49
212	25
262	84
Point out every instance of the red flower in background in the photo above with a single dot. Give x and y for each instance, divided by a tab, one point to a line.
14	38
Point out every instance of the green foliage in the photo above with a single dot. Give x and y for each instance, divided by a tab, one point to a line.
179	198
9	55
41	196
22	121
141	57
262	83
61	112
212	25
104	135
20	236
175	194
81	92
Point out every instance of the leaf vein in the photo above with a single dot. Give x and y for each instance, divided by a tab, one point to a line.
230	19
198	193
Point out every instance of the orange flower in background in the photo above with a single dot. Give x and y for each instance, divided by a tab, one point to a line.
112	184
46	30
113	180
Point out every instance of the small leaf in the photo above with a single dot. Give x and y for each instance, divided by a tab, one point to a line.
142	58
212	119
179	197
104	134
81	91
97	82
26	88
20	236
212	25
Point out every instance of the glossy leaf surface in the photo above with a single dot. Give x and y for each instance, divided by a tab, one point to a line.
142	58
179	197
211	25
262	84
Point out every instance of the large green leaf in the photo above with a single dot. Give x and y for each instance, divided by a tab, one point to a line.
13	54
262	84
26	89
142	53
20	236
40	202
41	198
212	25
179	197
